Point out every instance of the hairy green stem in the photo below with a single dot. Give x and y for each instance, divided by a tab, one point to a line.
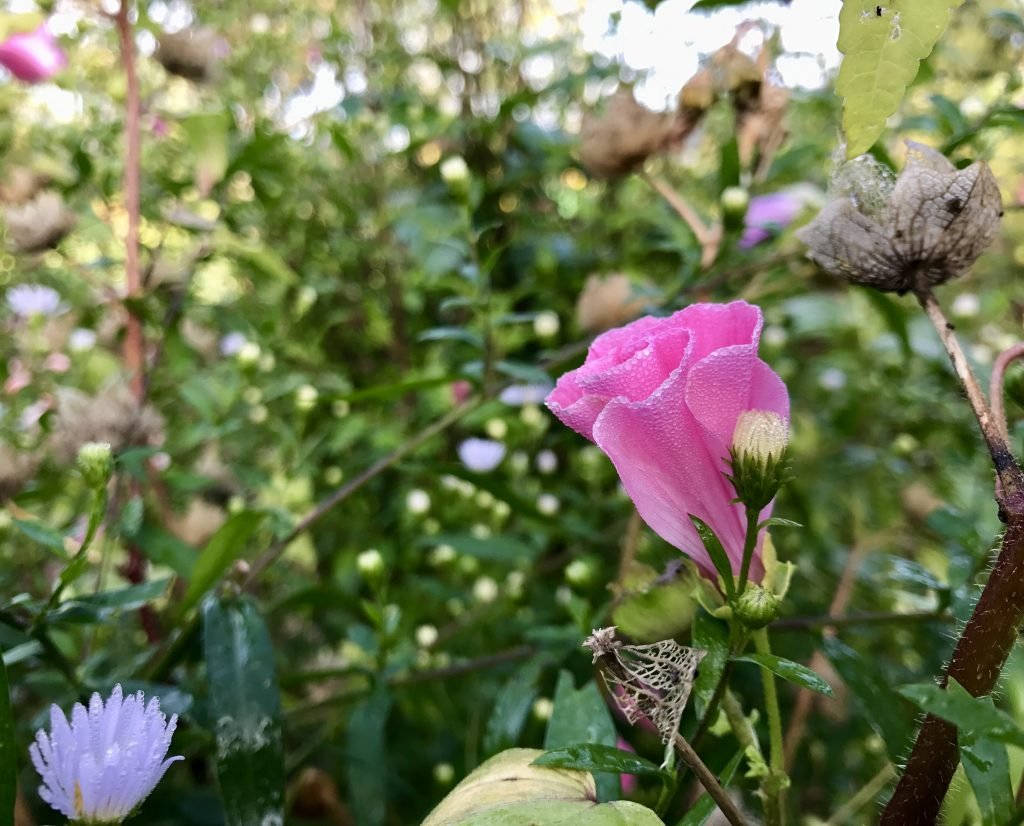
774	786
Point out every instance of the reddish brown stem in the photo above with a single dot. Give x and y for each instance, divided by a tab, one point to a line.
990	633
134	347
995	386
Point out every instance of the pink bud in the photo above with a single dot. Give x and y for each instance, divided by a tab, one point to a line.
32	56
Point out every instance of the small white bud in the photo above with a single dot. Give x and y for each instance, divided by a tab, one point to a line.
579	572
248	354
496	428
548	504
258	414
547	462
485	590
760	434
333	475
340	408
417	502
542	708
444	773
442	555
305	397
546	324
95	463
454	170
370	563
426	636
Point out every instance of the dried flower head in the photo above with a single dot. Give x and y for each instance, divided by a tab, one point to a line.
655	680
191	53
607	302
39	224
101	766
19	183
626	135
113	416
16	470
925	229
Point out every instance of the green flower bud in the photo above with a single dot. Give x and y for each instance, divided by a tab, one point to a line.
757	606
735	200
96	463
371	565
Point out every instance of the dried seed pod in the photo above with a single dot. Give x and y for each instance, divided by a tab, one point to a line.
607	302
191	53
39	224
926	229
626	135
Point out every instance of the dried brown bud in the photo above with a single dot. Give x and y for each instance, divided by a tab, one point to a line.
191	53
607	302
736	74
926	229
699	92
39	224
626	135
19	183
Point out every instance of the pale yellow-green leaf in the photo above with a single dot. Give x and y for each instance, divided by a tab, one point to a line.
508	791
883	46
19	24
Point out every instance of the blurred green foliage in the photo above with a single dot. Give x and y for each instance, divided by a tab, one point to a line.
321	286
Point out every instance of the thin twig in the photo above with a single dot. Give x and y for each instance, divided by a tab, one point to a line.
830	621
709	237
341	494
1007	469
865	795
709	782
134	343
995	386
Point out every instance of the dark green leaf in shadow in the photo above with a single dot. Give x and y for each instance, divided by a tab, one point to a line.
713	636
582	716
8	753
367	758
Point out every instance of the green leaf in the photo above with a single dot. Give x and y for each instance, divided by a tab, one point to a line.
988	769
43	534
493	548
883	46
508	790
881	704
367	757
778	522
705	806
207	134
719	558
163	548
594	757
582	716
713	636
220	553
790	671
971	715
452	334
95	608
511	709
8	753
245	705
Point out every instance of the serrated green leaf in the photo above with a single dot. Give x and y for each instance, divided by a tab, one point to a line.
224	547
790	671
581	716
883	45
8	753
245	707
595	757
705	806
719	558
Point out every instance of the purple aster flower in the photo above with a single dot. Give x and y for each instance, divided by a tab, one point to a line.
768	214
99	768
27	300
232	343
517	395
481	455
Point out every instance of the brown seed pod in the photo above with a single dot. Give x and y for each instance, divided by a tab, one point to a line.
627	134
926	229
191	53
606	302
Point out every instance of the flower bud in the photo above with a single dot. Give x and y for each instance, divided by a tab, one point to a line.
735	200
96	463
757	457
305	398
370	564
757	606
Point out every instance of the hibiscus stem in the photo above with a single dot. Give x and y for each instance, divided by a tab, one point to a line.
1007	469
749	543
774	785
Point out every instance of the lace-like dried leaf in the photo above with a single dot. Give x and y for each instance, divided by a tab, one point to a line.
931	228
655	679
